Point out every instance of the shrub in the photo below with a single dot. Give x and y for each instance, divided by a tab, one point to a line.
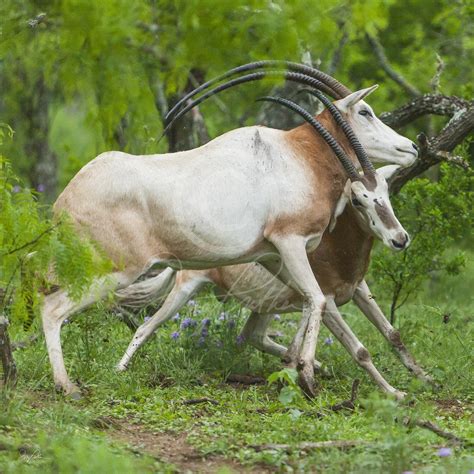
436	214
37	250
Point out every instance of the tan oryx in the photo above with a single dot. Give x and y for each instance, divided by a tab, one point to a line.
252	194
339	264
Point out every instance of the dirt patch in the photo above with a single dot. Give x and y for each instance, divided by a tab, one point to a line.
455	408
173	449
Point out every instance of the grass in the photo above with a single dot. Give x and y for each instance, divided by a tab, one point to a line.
42	432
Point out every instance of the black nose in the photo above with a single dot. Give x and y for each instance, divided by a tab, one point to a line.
415	147
401	244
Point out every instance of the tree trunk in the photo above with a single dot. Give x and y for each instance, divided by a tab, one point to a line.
6	355
190	131
43	174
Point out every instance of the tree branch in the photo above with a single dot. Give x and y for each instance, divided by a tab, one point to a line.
437	149
379	53
435	104
336	57
32	242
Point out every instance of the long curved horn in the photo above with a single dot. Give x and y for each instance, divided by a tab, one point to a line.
291	76
337	90
327	137
361	154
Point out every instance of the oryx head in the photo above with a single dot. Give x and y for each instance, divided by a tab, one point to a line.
366	193
371	205
382	144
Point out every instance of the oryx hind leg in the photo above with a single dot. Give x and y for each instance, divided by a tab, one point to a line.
255	332
366	303
336	324
186	285
57	307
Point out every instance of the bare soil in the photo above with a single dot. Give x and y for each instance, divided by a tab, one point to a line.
174	449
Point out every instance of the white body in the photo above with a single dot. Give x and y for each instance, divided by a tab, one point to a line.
252	194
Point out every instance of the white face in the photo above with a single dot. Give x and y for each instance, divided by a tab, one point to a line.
382	144
374	211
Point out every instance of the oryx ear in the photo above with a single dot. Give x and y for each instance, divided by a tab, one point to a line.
347	102
387	171
341	205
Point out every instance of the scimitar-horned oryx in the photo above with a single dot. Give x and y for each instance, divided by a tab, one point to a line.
339	264
252	194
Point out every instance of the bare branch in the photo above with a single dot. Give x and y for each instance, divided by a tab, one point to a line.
435	104
379	52
437	150
428	425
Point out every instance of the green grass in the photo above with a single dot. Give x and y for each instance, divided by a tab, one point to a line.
42	432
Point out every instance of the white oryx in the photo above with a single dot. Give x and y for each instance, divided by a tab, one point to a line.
339	264
252	194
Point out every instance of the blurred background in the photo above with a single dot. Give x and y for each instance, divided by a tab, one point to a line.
78	77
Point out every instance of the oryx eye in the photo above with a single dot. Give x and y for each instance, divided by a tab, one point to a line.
365	113
356	202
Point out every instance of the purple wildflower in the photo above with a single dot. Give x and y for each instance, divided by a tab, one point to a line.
240	339
16	189
328	341
176	317
175	335
204	332
192	303
231	324
222	316
206	322
188	323
276	317
444	452
147	318
41	188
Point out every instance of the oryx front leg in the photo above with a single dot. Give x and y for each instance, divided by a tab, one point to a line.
336	324
178	297
292	250
366	303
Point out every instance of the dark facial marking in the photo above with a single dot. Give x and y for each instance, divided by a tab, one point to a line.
385	216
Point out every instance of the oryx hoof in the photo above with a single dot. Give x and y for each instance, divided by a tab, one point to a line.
306	379
399	395
121	367
70	391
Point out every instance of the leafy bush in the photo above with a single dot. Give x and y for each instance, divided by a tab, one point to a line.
436	214
36	250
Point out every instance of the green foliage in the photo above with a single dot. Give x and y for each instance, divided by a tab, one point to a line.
145	404
291	391
76	90
37	252
435	214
